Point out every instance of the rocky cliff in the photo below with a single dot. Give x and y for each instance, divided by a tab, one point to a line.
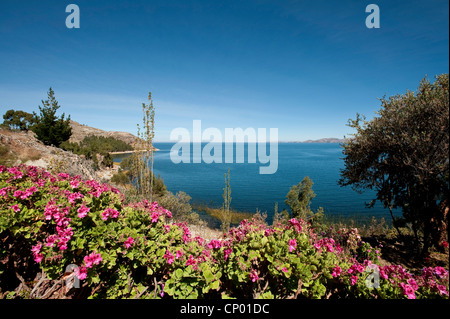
23	147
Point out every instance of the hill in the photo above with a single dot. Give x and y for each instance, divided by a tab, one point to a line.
80	131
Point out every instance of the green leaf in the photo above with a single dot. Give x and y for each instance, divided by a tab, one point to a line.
208	276
178	274
214	285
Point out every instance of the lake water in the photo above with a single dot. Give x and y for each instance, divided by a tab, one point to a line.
250	190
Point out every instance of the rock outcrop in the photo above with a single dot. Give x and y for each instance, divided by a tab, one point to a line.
23	147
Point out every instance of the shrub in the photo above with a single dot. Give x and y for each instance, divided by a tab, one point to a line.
49	223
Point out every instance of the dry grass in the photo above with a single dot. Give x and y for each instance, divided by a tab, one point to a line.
236	217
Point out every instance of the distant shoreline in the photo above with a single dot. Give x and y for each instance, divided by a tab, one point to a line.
131	152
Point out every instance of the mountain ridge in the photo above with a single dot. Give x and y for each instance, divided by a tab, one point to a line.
80	131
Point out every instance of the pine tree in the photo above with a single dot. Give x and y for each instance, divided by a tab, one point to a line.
50	129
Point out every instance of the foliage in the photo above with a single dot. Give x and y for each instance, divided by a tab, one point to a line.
97	145
299	200
93	147
177	203
403	155
50	129
49	222
120	178
18	120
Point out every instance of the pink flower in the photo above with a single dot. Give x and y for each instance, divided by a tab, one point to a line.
62	245
128	242
15	208
74	196
408	291
292	245
74	184
226	253
4	191
214	244
30	191
440	271
294	222
167	213
169	256
105	215
413	283
253	275
442	290
18	194
353	280
82	211
64	175
50	210
38	257
336	271
114	213
190	261
36	250
178	254
155	216
17	173
166	228
40	182
92	259
284	269
81	272
109	212
51	241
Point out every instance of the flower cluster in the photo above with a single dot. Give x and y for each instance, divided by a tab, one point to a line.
128	242
329	244
109	212
89	261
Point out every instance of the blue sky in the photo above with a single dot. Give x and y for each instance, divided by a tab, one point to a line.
304	67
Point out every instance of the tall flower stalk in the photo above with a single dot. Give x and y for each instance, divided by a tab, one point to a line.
226	213
143	157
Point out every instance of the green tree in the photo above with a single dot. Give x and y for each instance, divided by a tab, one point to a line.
50	129
107	160
402	154
18	120
299	200
299	197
